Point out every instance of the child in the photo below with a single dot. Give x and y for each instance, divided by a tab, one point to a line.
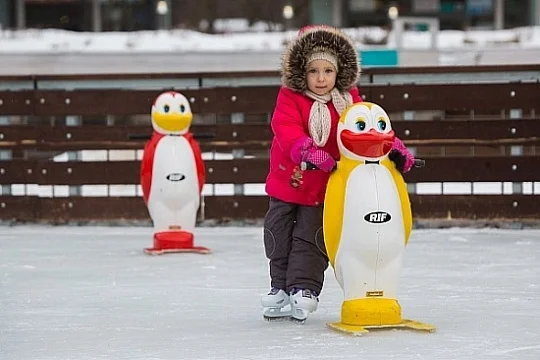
320	70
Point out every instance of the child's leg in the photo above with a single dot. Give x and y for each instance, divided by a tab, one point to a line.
308	259
278	228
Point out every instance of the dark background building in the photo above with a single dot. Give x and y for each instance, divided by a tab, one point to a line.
215	15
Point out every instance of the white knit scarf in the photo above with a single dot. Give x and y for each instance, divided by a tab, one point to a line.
320	121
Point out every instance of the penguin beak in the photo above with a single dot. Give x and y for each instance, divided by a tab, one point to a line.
173	122
371	144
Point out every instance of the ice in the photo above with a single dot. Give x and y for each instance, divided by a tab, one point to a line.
91	293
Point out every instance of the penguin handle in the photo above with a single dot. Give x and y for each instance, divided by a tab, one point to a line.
196	136
419	163
306	165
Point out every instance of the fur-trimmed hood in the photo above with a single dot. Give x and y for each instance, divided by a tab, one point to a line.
321	38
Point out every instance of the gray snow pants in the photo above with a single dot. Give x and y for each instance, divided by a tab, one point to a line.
294	244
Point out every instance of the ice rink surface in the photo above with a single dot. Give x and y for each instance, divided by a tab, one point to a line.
91	293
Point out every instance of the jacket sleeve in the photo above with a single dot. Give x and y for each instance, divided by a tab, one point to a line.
355	95
286	123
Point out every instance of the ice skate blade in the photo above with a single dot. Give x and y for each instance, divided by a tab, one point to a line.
195	249
361	330
276	318
297	320
276	314
299	316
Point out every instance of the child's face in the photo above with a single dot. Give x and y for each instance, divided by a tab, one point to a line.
321	77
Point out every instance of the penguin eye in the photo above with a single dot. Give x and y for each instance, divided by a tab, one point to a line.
360	125
381	124
182	108
166	108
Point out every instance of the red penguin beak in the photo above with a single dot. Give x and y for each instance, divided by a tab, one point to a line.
371	144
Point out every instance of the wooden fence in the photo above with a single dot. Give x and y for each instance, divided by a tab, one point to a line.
66	153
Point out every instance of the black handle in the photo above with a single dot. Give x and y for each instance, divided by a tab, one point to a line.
306	165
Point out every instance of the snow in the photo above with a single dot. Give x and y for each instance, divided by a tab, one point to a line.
44	41
90	293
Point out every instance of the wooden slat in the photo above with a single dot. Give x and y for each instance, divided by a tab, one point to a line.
235	207
499	130
240	171
260	99
16	102
226	74
119	133
154	76
228	136
517	207
481	97
477	169
87	134
19	208
16	77
450	69
244	171
423	206
237	171
89	172
18	172
17	135
99	102
244	133
59	210
245	99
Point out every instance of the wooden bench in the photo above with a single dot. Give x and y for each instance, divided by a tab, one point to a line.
469	132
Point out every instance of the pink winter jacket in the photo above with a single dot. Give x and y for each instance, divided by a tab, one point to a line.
290	124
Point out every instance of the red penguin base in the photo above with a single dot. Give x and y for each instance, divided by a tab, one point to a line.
174	242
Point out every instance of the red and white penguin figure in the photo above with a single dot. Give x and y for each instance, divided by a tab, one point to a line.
172	176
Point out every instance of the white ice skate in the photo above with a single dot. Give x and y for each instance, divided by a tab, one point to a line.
303	302
276	305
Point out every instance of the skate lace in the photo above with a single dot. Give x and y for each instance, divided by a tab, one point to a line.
306	293
274	291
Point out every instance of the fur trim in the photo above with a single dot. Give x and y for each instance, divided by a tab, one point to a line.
320	38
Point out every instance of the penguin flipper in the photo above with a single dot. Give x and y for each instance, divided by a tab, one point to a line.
403	197
333	211
147	164
199	163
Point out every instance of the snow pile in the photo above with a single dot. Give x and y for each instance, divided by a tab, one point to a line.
185	41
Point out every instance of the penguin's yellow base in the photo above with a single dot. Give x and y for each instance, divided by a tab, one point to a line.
360	315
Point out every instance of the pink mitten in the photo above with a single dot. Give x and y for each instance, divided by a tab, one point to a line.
300	148
306	151
401	156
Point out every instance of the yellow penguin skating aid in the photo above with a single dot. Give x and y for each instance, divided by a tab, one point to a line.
367	223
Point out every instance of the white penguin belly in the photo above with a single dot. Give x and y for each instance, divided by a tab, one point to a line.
174	193
369	258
